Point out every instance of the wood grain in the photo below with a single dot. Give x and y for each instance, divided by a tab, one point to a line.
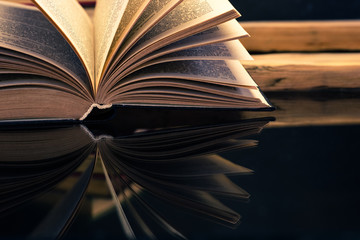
303	72
302	36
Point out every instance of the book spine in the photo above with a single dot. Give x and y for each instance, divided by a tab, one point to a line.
92	107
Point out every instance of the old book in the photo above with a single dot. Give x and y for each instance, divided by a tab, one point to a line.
57	63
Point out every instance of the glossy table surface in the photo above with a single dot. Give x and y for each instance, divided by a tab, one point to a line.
186	174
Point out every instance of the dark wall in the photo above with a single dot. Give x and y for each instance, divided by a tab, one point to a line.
297	9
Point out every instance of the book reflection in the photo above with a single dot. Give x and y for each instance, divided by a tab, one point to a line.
53	175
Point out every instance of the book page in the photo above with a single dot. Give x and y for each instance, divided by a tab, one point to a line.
25	31
217	51
229	30
188	18
132	13
230	50
108	14
223	72
188	14
73	22
153	13
224	32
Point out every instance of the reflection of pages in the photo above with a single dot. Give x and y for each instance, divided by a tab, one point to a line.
179	166
57	63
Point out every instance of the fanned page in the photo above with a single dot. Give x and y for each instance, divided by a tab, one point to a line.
108	14
139	76
41	77
203	44
153	13
24	30
113	20
188	18
75	25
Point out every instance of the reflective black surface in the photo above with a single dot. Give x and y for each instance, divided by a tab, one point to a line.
191	174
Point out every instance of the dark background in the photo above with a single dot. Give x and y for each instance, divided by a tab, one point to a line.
297	9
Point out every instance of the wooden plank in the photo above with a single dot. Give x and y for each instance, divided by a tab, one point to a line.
300	36
303	72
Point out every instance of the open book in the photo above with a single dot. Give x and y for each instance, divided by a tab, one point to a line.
127	174
58	63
